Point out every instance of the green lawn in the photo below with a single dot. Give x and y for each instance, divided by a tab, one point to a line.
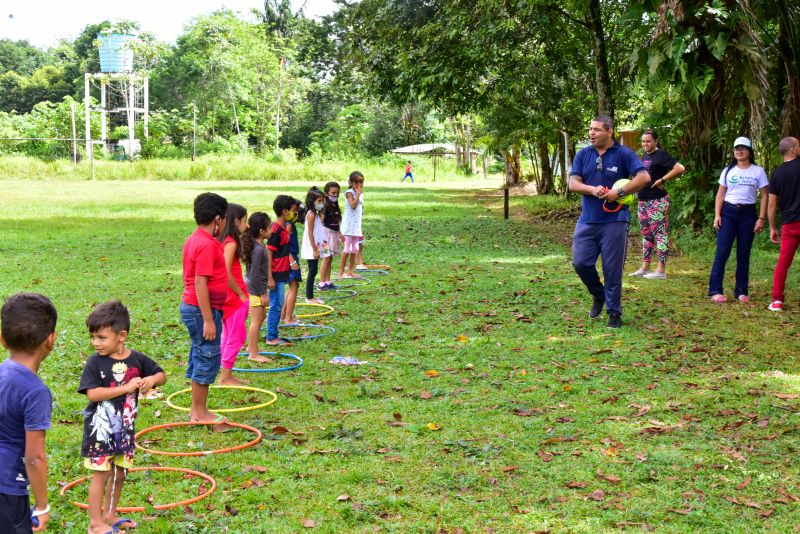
490	403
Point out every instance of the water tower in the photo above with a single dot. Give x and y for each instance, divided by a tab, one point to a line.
122	90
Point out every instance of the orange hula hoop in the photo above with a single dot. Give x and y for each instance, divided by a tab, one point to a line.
126	509
252	429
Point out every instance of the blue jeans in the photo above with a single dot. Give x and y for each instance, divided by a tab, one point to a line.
610	241
204	356
737	223
275	308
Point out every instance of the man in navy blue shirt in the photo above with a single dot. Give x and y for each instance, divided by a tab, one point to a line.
600	232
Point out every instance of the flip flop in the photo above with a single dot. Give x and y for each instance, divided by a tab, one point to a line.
281	342
719	299
118	523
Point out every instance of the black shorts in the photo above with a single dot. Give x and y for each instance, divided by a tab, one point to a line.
15	514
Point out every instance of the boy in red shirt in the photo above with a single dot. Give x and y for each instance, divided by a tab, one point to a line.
279	262
205	282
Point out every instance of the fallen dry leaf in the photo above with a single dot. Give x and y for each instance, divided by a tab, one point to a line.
343	497
462	338
744	484
597	495
434	426
308	523
509	468
787	396
432	373
608	478
682	511
426	395
574	484
545	456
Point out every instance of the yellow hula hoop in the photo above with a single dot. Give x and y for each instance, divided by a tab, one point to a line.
327	310
226	410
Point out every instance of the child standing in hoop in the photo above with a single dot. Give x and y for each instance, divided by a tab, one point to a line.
313	238
255	257
112	380
351	223
331	219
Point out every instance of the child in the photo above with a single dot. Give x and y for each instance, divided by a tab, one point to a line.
29	333
280	262
408	174
205	285
332	218
351	223
255	257
313	238
237	302
295	277
112	379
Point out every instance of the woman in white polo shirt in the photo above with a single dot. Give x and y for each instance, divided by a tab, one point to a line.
736	217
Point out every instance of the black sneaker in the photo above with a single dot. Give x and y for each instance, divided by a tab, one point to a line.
614	320
597	309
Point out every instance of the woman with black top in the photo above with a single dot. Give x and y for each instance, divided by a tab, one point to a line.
654	205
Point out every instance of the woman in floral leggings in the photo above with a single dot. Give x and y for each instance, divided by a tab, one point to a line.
654	204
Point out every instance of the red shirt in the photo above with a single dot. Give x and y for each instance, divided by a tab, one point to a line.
232	301
278	243
202	256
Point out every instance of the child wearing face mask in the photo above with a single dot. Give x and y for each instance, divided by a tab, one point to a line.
333	237
313	240
297	215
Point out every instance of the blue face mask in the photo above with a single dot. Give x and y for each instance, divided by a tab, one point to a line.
319	206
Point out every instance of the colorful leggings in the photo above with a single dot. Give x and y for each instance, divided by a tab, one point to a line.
655	226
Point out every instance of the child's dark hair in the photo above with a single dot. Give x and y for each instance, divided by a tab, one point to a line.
300	209
112	314
234	213
281	203
207	206
258	221
329	185
27	320
355	178
312	196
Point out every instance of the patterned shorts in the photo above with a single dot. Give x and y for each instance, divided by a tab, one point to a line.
104	463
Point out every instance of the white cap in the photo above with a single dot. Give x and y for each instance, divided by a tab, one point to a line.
742	141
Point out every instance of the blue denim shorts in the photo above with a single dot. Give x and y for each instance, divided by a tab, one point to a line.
295	274
204	356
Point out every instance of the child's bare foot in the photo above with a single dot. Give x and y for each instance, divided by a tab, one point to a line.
100	528
220	421
232	381
279	343
259	358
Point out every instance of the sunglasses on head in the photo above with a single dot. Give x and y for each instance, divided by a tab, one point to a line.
599	163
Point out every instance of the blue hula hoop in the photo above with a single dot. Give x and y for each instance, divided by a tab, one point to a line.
372	272
352	282
340	294
298	359
326	331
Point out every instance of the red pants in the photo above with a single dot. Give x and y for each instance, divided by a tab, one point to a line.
790	239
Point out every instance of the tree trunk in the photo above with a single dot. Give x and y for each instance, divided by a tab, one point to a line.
468	150
456	139
532	155
605	100
512	165
788	84
547	170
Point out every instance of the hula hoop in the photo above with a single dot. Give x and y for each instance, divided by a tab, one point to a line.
252	429
271	369
226	410
372	272
326	331
352	282
126	509
327	310
340	294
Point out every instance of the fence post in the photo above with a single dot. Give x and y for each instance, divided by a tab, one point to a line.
91	156
505	202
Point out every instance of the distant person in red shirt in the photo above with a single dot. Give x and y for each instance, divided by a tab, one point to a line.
408	174
205	286
784	192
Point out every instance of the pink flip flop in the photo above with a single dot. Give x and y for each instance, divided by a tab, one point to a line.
719	299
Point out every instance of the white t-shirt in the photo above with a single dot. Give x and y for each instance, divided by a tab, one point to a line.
351	218
743	184
307	250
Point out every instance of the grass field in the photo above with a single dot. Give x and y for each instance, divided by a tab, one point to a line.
490	403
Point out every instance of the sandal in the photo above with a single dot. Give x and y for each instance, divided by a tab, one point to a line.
718	299
743	298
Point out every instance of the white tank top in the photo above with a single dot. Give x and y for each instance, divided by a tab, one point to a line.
306	250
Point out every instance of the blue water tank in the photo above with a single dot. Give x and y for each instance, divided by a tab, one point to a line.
116	54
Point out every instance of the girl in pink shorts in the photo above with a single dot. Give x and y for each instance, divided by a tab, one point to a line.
351	224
